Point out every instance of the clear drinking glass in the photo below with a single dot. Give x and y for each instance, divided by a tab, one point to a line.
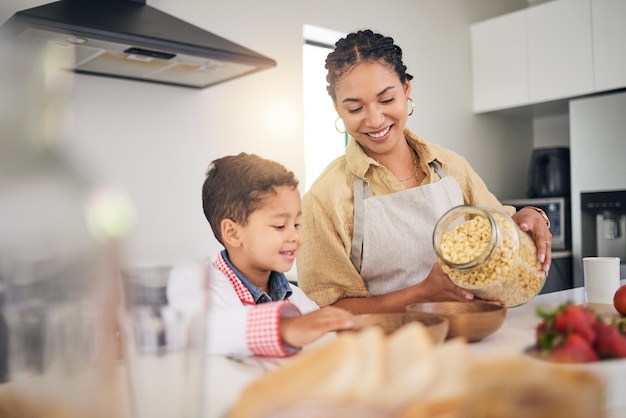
57	280
163	334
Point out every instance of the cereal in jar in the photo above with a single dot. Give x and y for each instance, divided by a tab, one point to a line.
482	249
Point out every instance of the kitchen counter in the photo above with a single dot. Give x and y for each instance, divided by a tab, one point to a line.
227	377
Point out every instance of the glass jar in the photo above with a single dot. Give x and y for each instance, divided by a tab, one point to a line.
482	249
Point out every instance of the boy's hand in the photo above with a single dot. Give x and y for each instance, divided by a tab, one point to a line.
301	330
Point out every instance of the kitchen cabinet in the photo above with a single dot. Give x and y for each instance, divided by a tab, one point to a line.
609	52
500	62
556	50
560	55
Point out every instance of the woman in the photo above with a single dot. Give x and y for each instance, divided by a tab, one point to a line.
369	218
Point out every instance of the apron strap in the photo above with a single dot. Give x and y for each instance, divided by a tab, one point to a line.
360	191
437	167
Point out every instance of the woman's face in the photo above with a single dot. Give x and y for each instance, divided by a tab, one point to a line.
372	102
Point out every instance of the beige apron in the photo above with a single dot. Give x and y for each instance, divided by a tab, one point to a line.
393	232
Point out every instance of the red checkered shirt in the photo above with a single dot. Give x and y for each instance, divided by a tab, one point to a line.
263	320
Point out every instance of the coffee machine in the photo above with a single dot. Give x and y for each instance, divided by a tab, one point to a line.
603	219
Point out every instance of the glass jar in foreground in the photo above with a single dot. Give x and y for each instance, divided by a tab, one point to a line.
482	249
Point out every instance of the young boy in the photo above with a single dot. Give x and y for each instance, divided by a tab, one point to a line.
253	207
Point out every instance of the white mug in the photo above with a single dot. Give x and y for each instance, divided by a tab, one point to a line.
601	278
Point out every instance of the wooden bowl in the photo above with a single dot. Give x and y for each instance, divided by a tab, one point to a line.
470	320
436	325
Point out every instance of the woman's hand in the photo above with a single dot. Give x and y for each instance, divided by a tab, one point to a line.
531	222
301	330
437	286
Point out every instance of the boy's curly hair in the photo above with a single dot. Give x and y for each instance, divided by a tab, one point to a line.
236	185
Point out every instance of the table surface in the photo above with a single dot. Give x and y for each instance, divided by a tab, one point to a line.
227	377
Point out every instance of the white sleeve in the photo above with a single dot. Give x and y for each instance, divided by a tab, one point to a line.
226	332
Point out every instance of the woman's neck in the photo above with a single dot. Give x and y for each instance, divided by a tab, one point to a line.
404	164
401	161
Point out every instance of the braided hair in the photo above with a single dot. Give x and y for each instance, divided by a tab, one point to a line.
359	47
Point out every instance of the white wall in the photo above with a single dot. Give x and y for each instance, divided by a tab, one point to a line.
158	140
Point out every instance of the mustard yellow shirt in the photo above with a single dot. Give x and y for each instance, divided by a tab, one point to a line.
325	272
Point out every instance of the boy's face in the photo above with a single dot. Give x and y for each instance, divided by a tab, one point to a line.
273	234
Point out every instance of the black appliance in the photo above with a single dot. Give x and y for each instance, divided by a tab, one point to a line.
549	173
129	39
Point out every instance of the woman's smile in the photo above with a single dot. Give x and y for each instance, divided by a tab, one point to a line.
379	134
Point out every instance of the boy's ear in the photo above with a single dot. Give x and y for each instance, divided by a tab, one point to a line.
230	232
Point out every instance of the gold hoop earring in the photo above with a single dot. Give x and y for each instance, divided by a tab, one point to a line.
412	106
337	128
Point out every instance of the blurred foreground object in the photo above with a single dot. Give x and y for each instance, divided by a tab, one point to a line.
514	386
59	255
163	337
364	371
404	375
571	333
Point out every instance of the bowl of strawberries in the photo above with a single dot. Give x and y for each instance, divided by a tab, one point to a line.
586	336
572	333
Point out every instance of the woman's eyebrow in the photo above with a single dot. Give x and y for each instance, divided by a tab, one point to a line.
385	90
351	99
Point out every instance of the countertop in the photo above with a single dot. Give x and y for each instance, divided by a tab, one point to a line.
227	377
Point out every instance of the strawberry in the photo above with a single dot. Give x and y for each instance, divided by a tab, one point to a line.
542	329
575	349
547	339
575	319
610	342
620	324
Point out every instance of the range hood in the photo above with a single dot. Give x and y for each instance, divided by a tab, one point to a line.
129	39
